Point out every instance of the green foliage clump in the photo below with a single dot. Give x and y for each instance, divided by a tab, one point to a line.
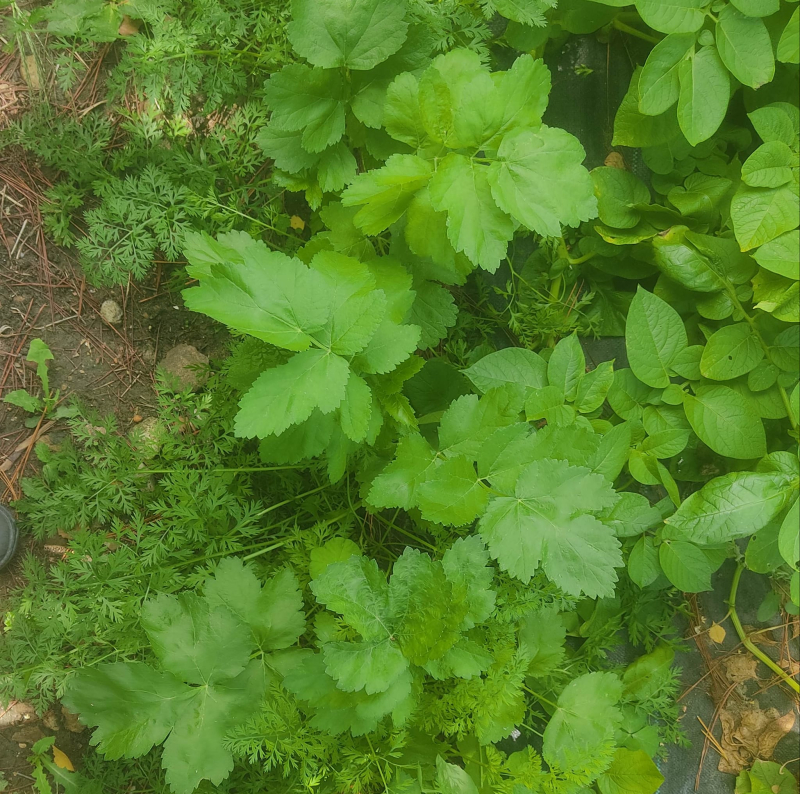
393	543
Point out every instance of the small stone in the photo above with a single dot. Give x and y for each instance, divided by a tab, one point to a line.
148	354
16	713
30	734
111	312
50	720
148	436
71	721
177	364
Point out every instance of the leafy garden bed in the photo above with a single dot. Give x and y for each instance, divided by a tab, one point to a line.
398	540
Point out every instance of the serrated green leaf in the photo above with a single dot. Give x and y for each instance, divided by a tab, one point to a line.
288	394
396	485
529	177
426	620
390	345
631	772
126	727
274	612
584	720
336	711
542	523
434	311
452	494
356	408
356	588
284	146
402	115
504	455
476	225
541	640
385	193
548	404
256	291
465	566
186	633
355	34
371	666
308	100
469	421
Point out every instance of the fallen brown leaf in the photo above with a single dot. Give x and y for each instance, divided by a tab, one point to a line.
615	160
748	733
740	668
717	633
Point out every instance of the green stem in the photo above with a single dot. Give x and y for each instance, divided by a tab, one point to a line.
540	697
746	640
623	28
581	259
290	500
238	469
377	763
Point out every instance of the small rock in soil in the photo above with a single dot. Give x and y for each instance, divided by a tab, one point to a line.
148	354
16	713
179	359
30	734
111	312
148	435
50	720
71	721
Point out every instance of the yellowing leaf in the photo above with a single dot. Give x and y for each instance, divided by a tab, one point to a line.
62	759
717	633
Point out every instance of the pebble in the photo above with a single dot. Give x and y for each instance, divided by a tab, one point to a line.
111	312
176	361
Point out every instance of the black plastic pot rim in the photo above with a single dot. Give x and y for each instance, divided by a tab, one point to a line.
8	536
